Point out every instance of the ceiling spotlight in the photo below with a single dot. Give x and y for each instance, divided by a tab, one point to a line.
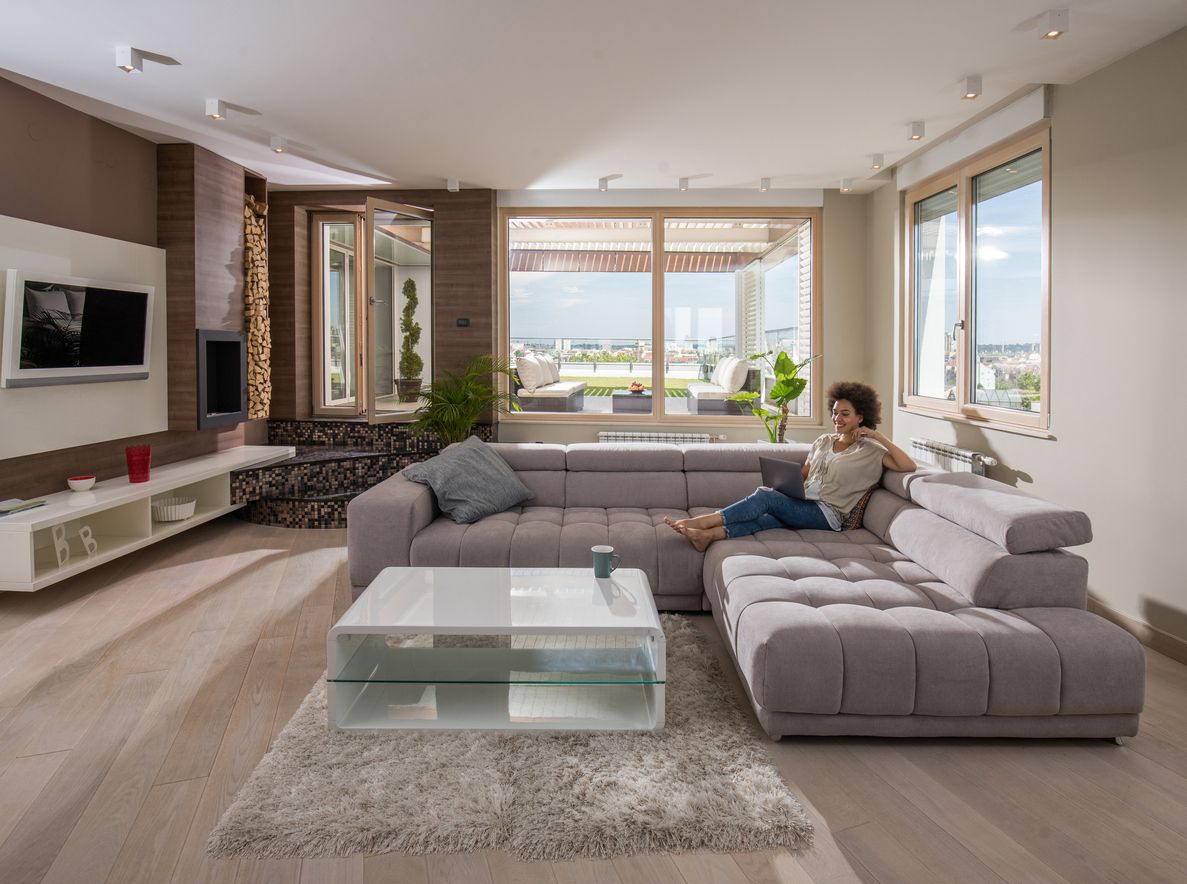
915	130
1054	24
604	183
764	184
971	87
684	184
277	144
129	60
452	185
846	185
216	109
876	161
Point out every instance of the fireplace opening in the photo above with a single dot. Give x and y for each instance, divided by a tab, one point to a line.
222	378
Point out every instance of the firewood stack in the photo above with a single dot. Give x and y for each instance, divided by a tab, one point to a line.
259	331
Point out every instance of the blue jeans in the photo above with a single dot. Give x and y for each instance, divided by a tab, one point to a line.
766	509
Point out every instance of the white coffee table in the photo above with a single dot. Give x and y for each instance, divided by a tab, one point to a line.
498	649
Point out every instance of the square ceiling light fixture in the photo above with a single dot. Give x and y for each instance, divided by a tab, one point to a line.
970	87
846	185
604	183
129	60
877	161
452	185
915	130
1054	24
277	144
216	109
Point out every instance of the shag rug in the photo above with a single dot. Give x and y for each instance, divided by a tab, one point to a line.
704	782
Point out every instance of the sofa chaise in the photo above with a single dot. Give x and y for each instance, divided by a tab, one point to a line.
954	611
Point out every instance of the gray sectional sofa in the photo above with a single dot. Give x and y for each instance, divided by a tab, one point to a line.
954	610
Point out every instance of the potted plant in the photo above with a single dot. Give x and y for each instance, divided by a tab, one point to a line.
452	404
408	384
787	388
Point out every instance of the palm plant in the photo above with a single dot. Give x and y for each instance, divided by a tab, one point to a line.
787	388
453	403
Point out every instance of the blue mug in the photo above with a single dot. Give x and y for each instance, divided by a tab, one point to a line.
604	560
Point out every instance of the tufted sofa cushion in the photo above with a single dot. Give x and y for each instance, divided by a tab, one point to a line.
554	537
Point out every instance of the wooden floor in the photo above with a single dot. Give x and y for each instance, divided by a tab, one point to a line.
137	698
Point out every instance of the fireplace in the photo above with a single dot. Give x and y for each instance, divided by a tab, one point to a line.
222	378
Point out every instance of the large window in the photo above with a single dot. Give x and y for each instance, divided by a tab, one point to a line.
977	316
585	297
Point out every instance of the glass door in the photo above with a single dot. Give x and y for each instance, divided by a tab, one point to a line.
337	318
398	306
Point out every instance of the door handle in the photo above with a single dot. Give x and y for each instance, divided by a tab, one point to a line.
959	324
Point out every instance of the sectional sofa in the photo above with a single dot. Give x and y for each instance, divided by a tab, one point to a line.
954	611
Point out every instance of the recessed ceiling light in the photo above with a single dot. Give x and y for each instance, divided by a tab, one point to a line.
971	87
877	162
129	60
1054	24
846	185
604	183
216	109
764	184
278	145
915	130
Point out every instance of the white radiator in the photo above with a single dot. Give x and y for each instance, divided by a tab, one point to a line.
950	458
674	438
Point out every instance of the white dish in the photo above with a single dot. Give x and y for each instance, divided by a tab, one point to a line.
173	509
81	483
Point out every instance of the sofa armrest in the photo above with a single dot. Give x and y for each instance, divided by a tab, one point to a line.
380	525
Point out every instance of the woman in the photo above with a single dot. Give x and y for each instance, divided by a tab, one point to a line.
840	468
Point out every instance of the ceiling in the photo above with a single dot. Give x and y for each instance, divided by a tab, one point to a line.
554	94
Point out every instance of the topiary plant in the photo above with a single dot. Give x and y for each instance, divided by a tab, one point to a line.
411	364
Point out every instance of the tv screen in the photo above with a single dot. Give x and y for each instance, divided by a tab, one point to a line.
67	330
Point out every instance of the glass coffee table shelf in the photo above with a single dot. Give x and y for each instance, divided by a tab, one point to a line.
498	649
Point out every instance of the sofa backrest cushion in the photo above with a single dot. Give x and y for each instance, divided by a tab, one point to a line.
981	570
719	474
654	489
722	366
624	457
552	371
531	373
530	455
735	380
1010	518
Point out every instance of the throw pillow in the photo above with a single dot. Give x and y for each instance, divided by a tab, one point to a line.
720	369
736	379
551	370
531	375
470	481
853	521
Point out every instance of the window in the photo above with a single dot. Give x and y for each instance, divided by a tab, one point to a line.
372	310
977	328
582	292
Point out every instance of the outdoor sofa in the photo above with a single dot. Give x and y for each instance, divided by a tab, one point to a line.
954	610
538	386
731	375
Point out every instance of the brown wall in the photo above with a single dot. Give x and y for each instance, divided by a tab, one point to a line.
62	167
463	281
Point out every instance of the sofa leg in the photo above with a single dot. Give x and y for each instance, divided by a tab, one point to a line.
1120	741
775	738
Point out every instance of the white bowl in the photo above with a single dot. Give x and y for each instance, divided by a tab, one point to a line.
81	483
173	509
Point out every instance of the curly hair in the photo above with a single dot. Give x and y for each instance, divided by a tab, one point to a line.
862	397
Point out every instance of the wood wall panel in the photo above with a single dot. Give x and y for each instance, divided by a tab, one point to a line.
463	283
219	273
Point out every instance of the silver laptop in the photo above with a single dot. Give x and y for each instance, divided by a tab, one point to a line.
785	476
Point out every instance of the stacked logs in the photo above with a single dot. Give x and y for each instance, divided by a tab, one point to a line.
255	292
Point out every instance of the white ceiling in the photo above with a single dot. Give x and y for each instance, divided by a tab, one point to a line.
517	94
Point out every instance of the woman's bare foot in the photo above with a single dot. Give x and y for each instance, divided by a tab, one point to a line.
700	538
674	524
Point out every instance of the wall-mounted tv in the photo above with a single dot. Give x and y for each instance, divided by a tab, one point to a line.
67	330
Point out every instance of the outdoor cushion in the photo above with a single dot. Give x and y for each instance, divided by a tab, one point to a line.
707	391
721	367
470	481
1010	518
531	373
735	380
555	391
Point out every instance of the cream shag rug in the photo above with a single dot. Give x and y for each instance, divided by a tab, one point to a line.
702	783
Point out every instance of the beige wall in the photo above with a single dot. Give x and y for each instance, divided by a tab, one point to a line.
1119	315
845	333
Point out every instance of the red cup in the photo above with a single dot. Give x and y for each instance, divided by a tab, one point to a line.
139	459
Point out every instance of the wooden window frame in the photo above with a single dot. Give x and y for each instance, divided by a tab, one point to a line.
963	409
657	215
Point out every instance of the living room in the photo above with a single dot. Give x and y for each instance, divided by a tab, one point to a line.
144	680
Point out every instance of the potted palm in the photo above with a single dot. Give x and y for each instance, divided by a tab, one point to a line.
411	365
452	405
787	388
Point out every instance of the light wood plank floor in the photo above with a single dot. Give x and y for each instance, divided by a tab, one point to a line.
136	699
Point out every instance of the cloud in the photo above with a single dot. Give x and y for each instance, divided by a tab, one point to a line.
991	253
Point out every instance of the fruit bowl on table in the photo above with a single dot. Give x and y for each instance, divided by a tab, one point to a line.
636	387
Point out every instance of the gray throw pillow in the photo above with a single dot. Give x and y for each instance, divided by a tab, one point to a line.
470	481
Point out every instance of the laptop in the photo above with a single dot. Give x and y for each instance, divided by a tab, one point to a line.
785	476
